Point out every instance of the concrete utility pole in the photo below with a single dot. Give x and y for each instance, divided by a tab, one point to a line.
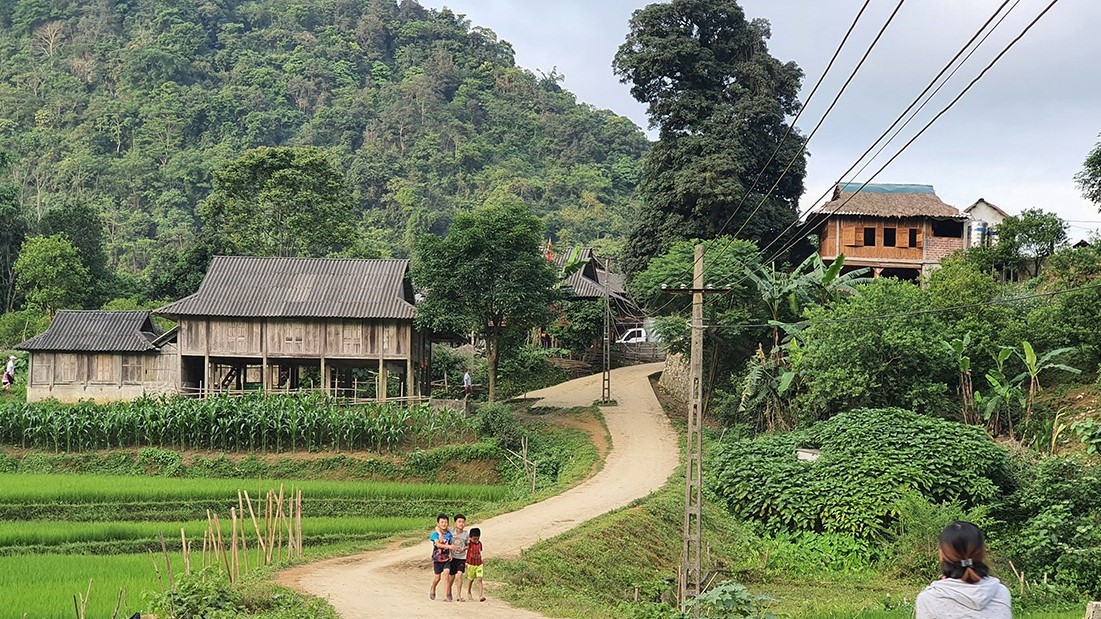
691	567
690	575
606	381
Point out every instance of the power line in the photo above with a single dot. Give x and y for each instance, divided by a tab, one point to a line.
915	312
901	116
791	125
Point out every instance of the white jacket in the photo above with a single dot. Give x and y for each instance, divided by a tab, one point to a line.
951	598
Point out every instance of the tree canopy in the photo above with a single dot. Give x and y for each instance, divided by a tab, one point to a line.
135	108
720	102
487	276
1089	179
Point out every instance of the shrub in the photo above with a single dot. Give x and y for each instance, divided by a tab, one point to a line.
869	459
912	549
1053	525
200	595
499	422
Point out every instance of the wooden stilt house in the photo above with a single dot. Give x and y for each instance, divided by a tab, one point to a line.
342	326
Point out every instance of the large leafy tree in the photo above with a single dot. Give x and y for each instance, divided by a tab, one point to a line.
12	232
286	201
51	274
487	276
1089	179
721	102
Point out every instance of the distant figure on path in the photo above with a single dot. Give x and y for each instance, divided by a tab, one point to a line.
468	384
474	569
441	554
965	590
9	372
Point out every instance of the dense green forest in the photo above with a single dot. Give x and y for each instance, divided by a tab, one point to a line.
116	117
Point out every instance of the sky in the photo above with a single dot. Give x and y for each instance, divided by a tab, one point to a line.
1016	139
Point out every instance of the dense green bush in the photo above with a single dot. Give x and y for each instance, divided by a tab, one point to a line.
1053	524
869	459
500	422
898	361
526	369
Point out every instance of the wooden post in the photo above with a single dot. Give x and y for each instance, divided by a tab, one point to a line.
1093	610
380	381
186	551
690	557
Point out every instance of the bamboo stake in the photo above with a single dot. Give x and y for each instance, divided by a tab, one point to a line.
299	512
279	516
256	526
234	564
156	570
167	563
118	605
269	528
221	546
186	551
289	521
244	534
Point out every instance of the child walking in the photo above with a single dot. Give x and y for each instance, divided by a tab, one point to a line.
441	554
474	569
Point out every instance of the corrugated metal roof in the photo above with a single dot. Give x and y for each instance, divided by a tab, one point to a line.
272	287
96	331
889	201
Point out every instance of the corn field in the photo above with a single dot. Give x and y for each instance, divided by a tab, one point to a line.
250	423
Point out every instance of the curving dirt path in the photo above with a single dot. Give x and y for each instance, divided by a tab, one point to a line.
394	582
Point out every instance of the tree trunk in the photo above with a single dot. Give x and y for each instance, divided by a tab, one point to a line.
492	346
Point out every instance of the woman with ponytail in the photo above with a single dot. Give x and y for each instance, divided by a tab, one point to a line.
966	590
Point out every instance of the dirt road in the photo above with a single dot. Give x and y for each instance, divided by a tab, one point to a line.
394	583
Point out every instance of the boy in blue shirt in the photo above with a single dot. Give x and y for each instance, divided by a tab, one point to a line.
441	554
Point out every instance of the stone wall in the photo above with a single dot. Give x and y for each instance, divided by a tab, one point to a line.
675	378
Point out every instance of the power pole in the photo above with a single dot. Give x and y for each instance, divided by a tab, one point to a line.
691	571
691	566
606	384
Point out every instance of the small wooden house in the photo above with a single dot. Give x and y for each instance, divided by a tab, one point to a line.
343	326
102	356
896	230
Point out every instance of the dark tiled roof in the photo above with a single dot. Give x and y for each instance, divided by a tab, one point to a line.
588	282
247	286
96	331
888	201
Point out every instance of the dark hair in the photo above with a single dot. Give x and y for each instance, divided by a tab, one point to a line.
442	517
475	532
457	516
963	543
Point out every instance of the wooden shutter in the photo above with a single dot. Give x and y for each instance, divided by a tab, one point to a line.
849	237
918	244
902	237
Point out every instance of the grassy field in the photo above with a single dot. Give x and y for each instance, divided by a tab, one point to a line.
44	563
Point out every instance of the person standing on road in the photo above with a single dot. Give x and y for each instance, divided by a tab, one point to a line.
441	555
459	539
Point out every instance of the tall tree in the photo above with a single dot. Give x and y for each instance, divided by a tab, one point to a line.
487	276
287	201
720	101
12	232
50	273
1089	179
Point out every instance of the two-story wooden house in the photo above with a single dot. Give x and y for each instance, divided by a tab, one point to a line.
344	326
897	230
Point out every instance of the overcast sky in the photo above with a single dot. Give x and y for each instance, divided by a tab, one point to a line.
1017	138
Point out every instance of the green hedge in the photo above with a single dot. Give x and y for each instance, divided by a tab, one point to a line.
869	459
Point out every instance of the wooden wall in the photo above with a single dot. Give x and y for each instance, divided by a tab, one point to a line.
847	235
335	339
69	377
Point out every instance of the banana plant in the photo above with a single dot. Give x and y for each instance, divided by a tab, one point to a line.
958	348
1034	366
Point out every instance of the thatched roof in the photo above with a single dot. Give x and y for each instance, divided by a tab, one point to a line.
96	331
271	287
887	200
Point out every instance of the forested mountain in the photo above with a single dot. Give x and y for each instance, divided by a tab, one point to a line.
116	113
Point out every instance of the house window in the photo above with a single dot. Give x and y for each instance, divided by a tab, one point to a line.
869	237
351	337
103	369
292	338
948	228
42	368
131	369
65	366
913	237
888	237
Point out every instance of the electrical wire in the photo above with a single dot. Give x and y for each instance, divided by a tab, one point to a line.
915	312
900	118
